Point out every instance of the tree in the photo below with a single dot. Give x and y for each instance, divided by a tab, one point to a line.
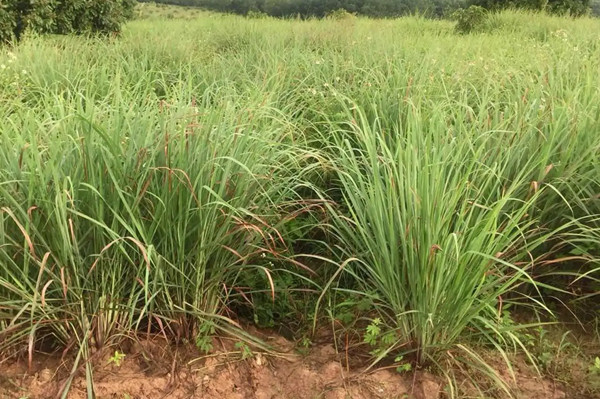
62	16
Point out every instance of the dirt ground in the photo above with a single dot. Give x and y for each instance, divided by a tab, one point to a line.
149	370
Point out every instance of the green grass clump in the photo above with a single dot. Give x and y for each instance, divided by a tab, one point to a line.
156	182
124	211
434	237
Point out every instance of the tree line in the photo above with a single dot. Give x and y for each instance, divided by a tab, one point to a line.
107	16
381	8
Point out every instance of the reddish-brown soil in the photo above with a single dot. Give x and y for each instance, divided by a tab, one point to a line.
151	370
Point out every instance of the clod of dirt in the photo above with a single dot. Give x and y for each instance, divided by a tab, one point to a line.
429	387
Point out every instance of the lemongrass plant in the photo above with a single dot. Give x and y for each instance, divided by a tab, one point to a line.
117	220
435	232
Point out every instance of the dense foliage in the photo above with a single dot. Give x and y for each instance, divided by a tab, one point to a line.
62	16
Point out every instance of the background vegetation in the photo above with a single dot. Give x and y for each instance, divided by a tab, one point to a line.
383	8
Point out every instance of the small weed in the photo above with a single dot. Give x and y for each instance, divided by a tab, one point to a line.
404	366
117	358
373	332
244	349
595	367
304	345
306	342
204	337
347	311
204	343
375	337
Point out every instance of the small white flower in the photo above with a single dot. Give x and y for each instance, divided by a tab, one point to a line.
24	72
2	66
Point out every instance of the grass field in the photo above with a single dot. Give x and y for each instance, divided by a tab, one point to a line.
435	196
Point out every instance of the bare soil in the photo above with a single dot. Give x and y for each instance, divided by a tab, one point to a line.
153	370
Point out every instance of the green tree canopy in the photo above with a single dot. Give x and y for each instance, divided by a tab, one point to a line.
62	16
